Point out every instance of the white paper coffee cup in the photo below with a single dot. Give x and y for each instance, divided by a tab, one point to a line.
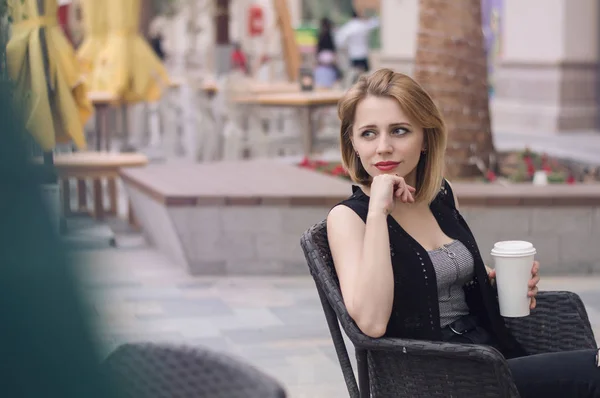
513	262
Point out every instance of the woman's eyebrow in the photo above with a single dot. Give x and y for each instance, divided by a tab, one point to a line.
373	126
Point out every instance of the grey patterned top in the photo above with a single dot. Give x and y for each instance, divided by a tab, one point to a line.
453	264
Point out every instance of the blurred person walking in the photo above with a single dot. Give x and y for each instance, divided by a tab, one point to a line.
327	71
354	36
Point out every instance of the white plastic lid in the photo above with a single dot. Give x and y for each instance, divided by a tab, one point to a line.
513	248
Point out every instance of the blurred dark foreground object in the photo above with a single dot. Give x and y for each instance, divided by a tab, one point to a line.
147	370
46	346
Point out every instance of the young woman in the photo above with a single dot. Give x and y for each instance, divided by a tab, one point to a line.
407	262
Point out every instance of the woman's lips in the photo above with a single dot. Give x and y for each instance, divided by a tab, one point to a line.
386	166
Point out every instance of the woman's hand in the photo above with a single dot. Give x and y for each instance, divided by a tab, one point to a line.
535	278
386	189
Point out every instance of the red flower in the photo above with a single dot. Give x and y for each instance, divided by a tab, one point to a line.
530	167
305	162
491	176
571	179
338	170
545	164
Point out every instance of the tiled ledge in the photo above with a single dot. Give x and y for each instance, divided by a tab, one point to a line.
273	183
527	195
245	183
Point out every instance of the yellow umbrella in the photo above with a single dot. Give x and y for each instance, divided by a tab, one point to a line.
95	22
42	63
127	67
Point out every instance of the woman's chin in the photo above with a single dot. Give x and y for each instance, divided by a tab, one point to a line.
394	171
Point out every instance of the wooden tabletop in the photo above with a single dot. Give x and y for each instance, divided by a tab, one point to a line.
99	159
253	86
299	98
273	87
102	97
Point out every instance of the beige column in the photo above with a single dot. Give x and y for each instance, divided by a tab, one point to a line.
546	79
399	23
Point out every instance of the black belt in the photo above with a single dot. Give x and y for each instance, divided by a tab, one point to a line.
459	327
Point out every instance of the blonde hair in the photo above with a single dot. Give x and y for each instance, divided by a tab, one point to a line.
418	106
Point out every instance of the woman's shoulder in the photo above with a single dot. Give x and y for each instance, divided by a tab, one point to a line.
358	202
446	194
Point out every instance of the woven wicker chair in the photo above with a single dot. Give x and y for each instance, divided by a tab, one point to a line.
148	370
391	367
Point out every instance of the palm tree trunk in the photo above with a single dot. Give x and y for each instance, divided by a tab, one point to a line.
451	64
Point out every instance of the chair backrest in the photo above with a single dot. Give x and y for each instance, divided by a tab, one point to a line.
151	370
318	256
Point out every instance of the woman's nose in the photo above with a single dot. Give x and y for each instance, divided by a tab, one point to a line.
384	145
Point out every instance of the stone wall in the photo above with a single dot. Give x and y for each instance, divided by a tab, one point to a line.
228	240
567	239
546	74
264	240
212	226
245	240
545	97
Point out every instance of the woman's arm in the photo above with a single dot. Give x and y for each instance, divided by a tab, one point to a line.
362	258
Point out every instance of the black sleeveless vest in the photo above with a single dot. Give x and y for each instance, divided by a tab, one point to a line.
415	310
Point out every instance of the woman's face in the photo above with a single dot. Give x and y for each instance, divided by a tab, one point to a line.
387	142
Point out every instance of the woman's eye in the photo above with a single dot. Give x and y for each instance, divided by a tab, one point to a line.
400	131
368	133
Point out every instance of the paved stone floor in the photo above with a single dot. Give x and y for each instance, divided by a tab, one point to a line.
136	294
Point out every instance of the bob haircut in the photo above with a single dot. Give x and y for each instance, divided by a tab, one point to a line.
420	109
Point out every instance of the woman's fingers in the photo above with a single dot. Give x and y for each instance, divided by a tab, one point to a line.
400	180
405	192
397	191
533	292
535	269
534	281
402	190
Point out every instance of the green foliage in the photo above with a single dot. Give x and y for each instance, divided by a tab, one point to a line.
557	177
3	7
3	38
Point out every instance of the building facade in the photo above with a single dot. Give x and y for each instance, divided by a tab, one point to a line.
546	70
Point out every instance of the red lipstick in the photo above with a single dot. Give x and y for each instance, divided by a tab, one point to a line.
386	166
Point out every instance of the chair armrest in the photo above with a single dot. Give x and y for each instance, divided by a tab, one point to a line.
558	323
417	368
